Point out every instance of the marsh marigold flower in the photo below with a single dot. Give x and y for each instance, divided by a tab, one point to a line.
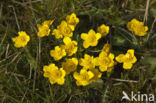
43	29
90	39
21	40
70	46
70	65
72	20
63	29
58	53
97	74
103	30
106	62
83	78
137	27
48	22
88	62
106	48
57	34
54	74
127	59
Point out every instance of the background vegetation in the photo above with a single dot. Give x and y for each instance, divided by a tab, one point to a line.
21	75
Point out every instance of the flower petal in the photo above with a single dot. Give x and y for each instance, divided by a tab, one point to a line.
84	36
98	36
90	74
127	65
103	68
85	44
66	40
131	51
120	58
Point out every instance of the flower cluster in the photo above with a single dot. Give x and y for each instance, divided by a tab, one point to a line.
68	48
66	28
137	27
88	68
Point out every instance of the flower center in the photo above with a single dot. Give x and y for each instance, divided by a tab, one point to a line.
23	39
91	39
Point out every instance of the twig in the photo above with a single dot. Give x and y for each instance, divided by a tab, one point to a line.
121	80
146	11
17	55
7	49
18	75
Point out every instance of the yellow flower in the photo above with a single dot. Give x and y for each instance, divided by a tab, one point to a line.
57	34
90	39
106	62
97	74
106	47
137	27
54	74
70	46
70	65
48	70
83	78
48	22
43	29
72	20
65	29
21	40
103	29
132	25
58	53
88	62
127	59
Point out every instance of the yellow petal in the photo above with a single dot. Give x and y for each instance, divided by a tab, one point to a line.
127	65
134	59
94	43
111	56
85	44
90	74
102	54
120	58
91	32
86	56
75	61
72	27
76	75
57	48
52	80
63	72
96	60
60	81
131	51
146	28
66	40
83	71
84	36
103	68
98	36
52	66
